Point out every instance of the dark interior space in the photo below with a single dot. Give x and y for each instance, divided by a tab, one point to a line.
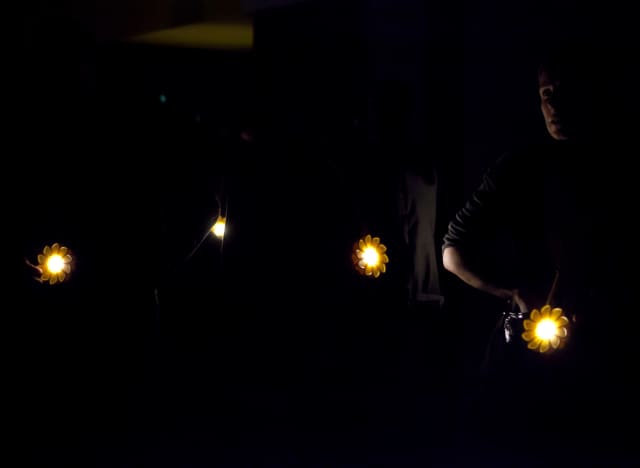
169	347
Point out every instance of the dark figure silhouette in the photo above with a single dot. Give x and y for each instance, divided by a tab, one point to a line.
556	204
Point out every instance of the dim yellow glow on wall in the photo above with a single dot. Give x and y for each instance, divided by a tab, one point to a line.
219	228
54	264
369	256
236	35
546	329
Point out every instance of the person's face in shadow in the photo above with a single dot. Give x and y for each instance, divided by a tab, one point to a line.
550	89
566	103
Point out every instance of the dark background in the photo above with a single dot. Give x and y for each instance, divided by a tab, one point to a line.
268	350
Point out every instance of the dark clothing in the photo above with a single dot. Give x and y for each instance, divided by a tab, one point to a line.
555	209
417	201
542	204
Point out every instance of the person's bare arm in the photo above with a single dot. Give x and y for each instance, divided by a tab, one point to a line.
453	261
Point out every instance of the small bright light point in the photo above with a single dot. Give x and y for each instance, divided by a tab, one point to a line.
370	256
55	264
546	329
219	228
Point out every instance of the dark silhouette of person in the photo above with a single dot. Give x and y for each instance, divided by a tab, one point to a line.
412	182
558	202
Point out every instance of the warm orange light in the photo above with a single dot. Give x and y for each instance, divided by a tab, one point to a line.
369	256
219	228
54	264
546	329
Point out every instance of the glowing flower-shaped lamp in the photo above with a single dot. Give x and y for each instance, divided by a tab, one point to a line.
369	256
546	329
54	264
219	227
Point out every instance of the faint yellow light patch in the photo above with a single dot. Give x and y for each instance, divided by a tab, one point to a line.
369	256
54	264
220	227
546	329
236	35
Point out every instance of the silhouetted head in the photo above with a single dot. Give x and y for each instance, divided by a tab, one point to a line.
571	89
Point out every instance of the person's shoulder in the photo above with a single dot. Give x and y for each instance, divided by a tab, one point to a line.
518	165
528	152
514	159
527	157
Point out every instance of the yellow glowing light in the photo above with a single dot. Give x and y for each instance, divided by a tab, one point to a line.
54	264
237	35
369	256
546	329
219	227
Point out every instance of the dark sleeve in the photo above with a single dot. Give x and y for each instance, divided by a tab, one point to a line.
487	208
